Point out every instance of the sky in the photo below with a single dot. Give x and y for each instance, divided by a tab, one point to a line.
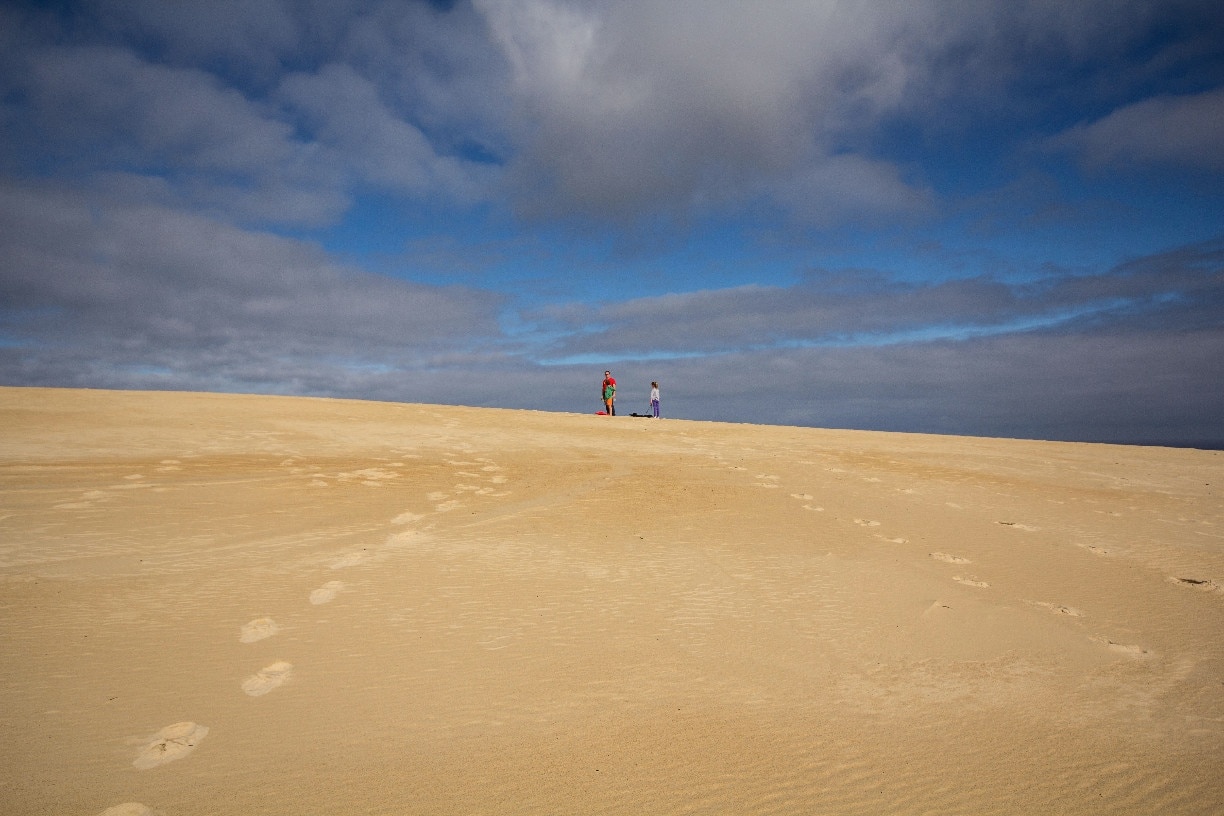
977	217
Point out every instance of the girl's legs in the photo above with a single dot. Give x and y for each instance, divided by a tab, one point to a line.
654	408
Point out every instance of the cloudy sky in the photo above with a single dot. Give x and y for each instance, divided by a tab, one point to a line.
979	217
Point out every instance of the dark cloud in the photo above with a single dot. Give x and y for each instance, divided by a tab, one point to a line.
94	285
630	109
1161	387
1185	287
169	95
1182	131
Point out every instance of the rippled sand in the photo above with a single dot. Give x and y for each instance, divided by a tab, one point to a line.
236	604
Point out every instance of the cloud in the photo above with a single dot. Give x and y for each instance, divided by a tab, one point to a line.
642	109
1184	131
1183	287
93	289
362	136
622	116
171	97
1099	387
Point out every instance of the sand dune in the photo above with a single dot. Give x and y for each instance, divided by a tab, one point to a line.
234	604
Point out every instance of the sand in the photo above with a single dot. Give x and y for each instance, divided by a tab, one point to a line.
241	604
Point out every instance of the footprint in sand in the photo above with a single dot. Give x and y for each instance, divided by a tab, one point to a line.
1092	548
130	809
258	629
969	581
268	678
349	560
1058	609
326	593
813	508
171	743
1137	652
866	523
936	608
893	540
950	559
1201	584
407	518
802	496
1018	526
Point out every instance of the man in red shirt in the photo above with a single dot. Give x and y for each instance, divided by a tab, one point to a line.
607	391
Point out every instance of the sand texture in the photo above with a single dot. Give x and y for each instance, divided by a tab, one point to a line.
223	604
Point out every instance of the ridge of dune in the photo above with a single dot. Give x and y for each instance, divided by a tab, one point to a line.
243	604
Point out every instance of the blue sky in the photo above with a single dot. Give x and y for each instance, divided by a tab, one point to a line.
990	218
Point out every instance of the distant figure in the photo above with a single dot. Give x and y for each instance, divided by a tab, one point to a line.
654	400
608	392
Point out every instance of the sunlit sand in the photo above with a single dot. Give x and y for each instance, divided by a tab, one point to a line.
237	604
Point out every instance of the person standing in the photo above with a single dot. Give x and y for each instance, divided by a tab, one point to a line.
654	400
608	392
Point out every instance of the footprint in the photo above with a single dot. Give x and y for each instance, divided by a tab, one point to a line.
407	518
816	509
936	608
130	809
969	581
1201	584
1058	609
802	496
171	743
1018	526
326	593
72	505
866	523
258	629
268	678
950	559
893	540
1092	548
1137	652
348	560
